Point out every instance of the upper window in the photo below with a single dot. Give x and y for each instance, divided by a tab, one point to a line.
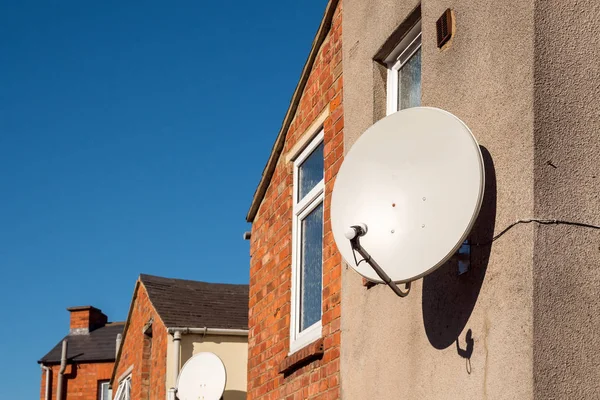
404	72
307	245
104	390
124	390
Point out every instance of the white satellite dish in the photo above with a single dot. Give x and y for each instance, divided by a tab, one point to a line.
411	186
203	377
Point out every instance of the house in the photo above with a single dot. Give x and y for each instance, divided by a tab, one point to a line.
84	371
295	268
523	322
169	321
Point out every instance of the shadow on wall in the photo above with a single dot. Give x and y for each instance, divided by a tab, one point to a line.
234	395
187	351
449	299
70	375
191	341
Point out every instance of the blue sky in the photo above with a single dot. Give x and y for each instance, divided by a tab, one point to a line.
132	138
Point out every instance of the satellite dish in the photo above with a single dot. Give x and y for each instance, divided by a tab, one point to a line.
203	377
411	187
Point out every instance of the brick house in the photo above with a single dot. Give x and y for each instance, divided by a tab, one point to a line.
169	321
91	348
295	268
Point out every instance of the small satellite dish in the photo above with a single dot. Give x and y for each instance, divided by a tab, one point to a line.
203	377
411	187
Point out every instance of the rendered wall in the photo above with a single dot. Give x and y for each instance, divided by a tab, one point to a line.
467	337
567	186
232	350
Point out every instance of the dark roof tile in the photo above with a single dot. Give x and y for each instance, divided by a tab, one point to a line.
194	304
98	345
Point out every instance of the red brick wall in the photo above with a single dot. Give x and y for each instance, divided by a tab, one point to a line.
79	319
148	378
81	380
87	318
271	248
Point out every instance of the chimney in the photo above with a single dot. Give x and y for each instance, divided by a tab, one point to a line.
85	319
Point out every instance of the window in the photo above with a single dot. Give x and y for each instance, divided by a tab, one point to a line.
307	245
124	390
104	392
404	72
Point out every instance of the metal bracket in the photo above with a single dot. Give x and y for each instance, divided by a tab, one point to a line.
356	246
463	257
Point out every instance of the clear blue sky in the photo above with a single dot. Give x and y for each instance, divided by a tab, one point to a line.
132	138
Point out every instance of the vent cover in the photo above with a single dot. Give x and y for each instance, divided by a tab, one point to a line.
444	28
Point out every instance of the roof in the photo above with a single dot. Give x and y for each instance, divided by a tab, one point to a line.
269	169
194	304
97	346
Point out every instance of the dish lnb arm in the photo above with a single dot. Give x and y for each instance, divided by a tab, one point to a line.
354	233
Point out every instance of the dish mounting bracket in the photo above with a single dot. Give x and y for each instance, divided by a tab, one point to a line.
354	234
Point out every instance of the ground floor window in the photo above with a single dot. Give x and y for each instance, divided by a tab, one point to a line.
104	392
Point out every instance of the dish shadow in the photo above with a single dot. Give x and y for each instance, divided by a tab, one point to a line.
449	298
234	395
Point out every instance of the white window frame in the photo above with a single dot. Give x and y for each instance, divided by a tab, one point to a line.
101	393
407	47
301	209
124	390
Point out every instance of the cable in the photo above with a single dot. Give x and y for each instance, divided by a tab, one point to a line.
539	221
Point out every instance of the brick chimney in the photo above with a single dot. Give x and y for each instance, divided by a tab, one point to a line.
85	319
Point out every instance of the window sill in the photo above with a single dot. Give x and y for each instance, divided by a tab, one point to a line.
306	337
302	357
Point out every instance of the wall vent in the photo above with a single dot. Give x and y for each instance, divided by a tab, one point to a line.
444	28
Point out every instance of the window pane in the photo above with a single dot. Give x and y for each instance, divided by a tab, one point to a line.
104	391
128	389
410	82
310	171
312	268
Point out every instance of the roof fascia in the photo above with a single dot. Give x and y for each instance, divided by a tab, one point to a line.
277	149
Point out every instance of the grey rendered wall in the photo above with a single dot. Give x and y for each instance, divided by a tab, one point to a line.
567	185
467	337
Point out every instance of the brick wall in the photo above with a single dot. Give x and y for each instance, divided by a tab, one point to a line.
271	248
86	318
81	380
148	356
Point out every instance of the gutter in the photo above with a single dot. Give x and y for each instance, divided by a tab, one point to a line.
61	371
48	374
208	331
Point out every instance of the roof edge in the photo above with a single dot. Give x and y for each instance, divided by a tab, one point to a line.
152	303
139	282
125	328
277	149
71	361
208	331
143	279
112	323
